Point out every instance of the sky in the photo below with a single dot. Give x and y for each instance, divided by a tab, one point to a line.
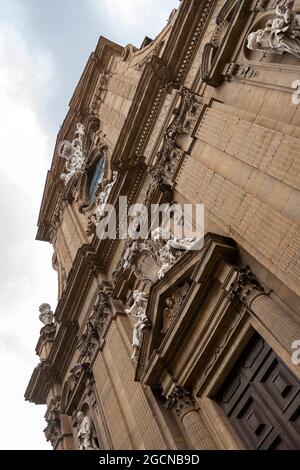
44	45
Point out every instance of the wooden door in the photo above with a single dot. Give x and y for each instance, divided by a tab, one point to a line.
261	397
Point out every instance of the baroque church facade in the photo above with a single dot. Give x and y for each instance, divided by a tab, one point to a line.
152	347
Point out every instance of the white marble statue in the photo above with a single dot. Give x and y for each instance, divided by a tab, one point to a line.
102	199
46	315
281	33
170	248
138	312
73	153
85	433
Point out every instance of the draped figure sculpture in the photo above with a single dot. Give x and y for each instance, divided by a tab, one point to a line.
86	436
138	312
281	33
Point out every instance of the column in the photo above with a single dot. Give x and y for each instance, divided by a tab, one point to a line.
185	407
247	289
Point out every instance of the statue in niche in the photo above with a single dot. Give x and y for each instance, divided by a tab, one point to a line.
86	434
138	312
73	153
281	33
46	315
170	248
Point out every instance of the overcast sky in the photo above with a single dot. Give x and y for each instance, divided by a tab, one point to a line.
44	45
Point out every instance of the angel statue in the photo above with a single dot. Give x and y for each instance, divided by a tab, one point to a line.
281	33
170	248
138	311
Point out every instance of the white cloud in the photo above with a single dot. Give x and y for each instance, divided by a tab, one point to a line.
145	17
28	76
25	157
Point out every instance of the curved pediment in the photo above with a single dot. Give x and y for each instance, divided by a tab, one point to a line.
183	290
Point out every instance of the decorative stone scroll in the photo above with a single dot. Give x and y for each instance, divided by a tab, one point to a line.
74	153
281	33
138	312
53	430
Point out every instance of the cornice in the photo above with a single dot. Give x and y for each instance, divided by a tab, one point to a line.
37	389
82	95
152	85
188	29
159	76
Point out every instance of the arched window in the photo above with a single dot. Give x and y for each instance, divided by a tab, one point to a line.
96	178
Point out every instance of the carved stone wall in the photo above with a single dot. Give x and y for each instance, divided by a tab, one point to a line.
193	116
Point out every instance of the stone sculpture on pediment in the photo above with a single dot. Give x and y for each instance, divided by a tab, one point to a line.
170	249
281	33
164	248
173	304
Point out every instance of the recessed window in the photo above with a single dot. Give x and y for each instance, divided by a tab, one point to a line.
96	179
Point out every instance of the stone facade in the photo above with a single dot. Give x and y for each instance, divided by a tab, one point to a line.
202	114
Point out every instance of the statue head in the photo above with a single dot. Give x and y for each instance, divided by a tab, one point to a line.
170	302
65	149
254	40
80	416
46	314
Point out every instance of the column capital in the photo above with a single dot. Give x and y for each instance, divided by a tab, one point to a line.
246	287
182	401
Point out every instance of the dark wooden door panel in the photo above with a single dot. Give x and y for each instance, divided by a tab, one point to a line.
261	397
